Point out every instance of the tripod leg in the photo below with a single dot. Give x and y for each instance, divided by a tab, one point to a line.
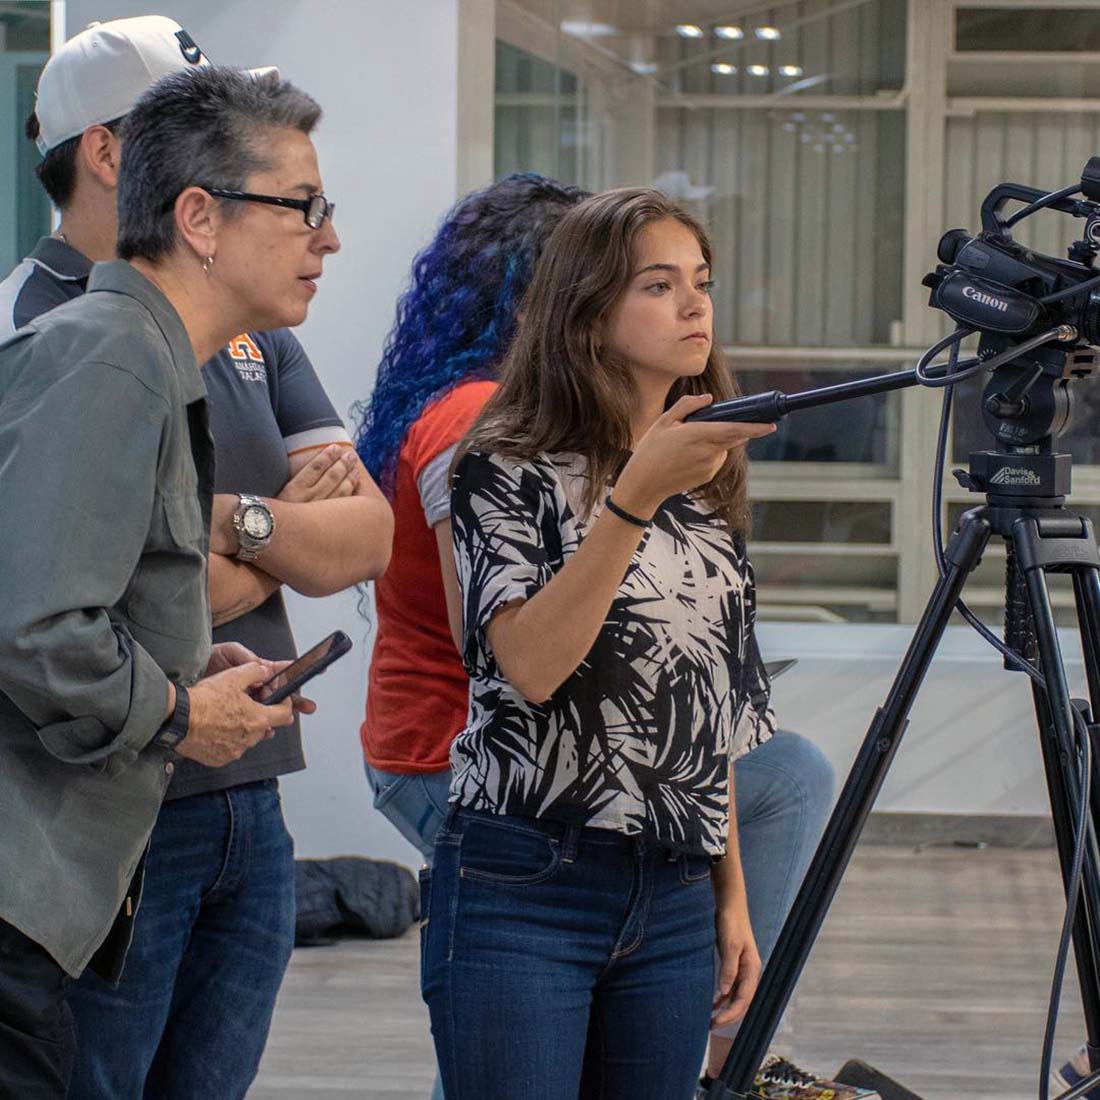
1086	588
1054	711
854	804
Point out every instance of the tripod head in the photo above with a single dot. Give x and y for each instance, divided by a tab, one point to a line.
1026	405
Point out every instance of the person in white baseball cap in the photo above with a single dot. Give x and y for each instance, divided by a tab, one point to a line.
100	73
84	92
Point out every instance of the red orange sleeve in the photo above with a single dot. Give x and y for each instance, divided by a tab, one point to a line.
444	422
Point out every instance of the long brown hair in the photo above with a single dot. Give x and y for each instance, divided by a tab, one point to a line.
558	391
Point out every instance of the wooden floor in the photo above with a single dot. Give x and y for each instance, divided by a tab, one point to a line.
934	965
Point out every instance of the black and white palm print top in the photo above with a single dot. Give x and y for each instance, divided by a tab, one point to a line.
639	738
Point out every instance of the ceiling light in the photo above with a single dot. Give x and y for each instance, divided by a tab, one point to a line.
689	30
643	68
723	68
729	33
580	29
791	70
768	34
790	127
759	70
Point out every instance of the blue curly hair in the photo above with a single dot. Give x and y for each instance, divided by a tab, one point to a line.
458	315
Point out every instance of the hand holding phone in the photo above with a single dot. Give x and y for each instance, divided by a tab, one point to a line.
292	678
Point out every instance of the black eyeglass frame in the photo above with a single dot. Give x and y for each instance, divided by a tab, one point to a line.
314	210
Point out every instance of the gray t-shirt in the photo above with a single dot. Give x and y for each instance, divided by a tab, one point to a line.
265	403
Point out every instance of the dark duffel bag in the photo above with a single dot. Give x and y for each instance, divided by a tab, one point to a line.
353	896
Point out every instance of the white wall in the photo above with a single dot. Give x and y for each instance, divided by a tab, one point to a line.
971	746
386	75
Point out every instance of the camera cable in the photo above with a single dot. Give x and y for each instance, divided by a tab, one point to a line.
1040	204
948	382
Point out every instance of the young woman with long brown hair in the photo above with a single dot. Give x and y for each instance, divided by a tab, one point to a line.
591	856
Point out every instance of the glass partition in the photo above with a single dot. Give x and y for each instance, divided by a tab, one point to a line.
827	144
24	48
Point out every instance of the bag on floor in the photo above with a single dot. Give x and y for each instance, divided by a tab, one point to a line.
353	896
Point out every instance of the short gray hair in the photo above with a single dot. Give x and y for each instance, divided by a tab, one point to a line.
204	127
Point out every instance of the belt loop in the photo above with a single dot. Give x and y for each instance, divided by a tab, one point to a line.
569	843
449	820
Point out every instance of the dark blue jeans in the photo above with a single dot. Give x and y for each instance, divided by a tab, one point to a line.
561	963
212	940
36	1027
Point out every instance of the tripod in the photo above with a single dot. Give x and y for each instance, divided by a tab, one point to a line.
1025	485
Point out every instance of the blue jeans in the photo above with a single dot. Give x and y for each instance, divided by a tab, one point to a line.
416	805
212	939
562	962
784	794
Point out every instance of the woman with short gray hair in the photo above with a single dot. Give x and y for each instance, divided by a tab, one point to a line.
108	681
198	150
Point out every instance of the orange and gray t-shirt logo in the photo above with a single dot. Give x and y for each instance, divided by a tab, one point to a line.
247	358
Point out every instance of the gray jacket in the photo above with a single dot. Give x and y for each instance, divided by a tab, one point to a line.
106	475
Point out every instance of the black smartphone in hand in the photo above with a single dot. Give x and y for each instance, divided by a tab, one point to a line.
299	672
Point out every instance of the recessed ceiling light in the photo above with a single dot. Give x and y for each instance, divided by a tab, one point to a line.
759	70
768	34
791	70
643	68
689	30
729	32
723	68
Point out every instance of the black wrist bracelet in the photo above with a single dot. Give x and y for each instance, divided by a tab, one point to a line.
623	514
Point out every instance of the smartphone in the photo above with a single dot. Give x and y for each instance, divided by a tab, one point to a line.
301	671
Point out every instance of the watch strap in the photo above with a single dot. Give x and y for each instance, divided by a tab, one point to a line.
175	728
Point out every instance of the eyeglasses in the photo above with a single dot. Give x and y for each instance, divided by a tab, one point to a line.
315	209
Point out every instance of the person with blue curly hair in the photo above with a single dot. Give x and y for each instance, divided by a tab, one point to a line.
454	323
453	326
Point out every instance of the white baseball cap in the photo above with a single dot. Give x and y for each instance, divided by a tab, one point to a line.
101	73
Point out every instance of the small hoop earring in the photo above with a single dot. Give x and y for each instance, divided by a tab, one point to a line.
207	264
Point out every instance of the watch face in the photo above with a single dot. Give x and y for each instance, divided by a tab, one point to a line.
256	522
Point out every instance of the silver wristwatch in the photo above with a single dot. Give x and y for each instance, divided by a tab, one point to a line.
254	523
